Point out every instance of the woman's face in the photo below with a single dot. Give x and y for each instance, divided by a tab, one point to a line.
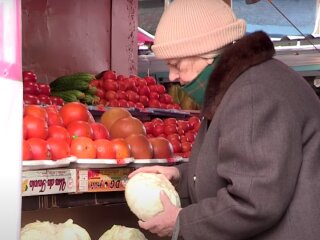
186	69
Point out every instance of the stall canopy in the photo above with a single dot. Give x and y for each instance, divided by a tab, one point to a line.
144	36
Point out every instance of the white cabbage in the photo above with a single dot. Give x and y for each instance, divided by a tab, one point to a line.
50	231
118	232
142	194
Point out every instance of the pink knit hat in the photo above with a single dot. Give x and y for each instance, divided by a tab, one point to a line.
196	27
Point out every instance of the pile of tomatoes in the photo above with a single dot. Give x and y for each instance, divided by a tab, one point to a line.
180	133
54	133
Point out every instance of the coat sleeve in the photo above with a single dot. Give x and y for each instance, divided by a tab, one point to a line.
259	157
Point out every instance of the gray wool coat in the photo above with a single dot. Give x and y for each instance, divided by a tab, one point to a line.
254	171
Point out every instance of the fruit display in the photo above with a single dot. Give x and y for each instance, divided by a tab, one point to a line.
54	133
130	133
180	133
38	93
132	91
51	132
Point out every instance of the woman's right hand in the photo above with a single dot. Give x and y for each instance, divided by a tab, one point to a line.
171	173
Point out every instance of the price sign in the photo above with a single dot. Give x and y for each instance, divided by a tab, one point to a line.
102	180
48	182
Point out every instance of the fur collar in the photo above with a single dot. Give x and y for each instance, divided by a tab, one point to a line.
250	50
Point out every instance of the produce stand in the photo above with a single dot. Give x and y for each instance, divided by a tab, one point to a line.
58	38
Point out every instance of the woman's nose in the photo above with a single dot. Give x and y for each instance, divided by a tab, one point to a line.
173	76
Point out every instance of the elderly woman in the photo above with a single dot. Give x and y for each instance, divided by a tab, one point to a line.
254	170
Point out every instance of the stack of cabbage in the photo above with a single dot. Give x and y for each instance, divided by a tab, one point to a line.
50	231
118	232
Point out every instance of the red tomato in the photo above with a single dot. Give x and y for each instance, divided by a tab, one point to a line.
56	100
54	119
157	121
99	131
52	108
158	129
24	132
144	90
95	83
144	100
186	147
60	133
176	145
27	154
170	129
44	99
91	118
80	129
29	76
39	149
59	149
194	121
83	147
110	85
149	127
174	136
30	99
35	127
170	121
190	136
110	95
30	88
36	111
109	74
74	111
104	149
100	93
44	89
121	148
160	89
150	80
184	125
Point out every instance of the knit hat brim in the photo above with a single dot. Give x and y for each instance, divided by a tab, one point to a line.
202	44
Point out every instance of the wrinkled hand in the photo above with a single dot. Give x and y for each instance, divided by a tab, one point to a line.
163	223
171	173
